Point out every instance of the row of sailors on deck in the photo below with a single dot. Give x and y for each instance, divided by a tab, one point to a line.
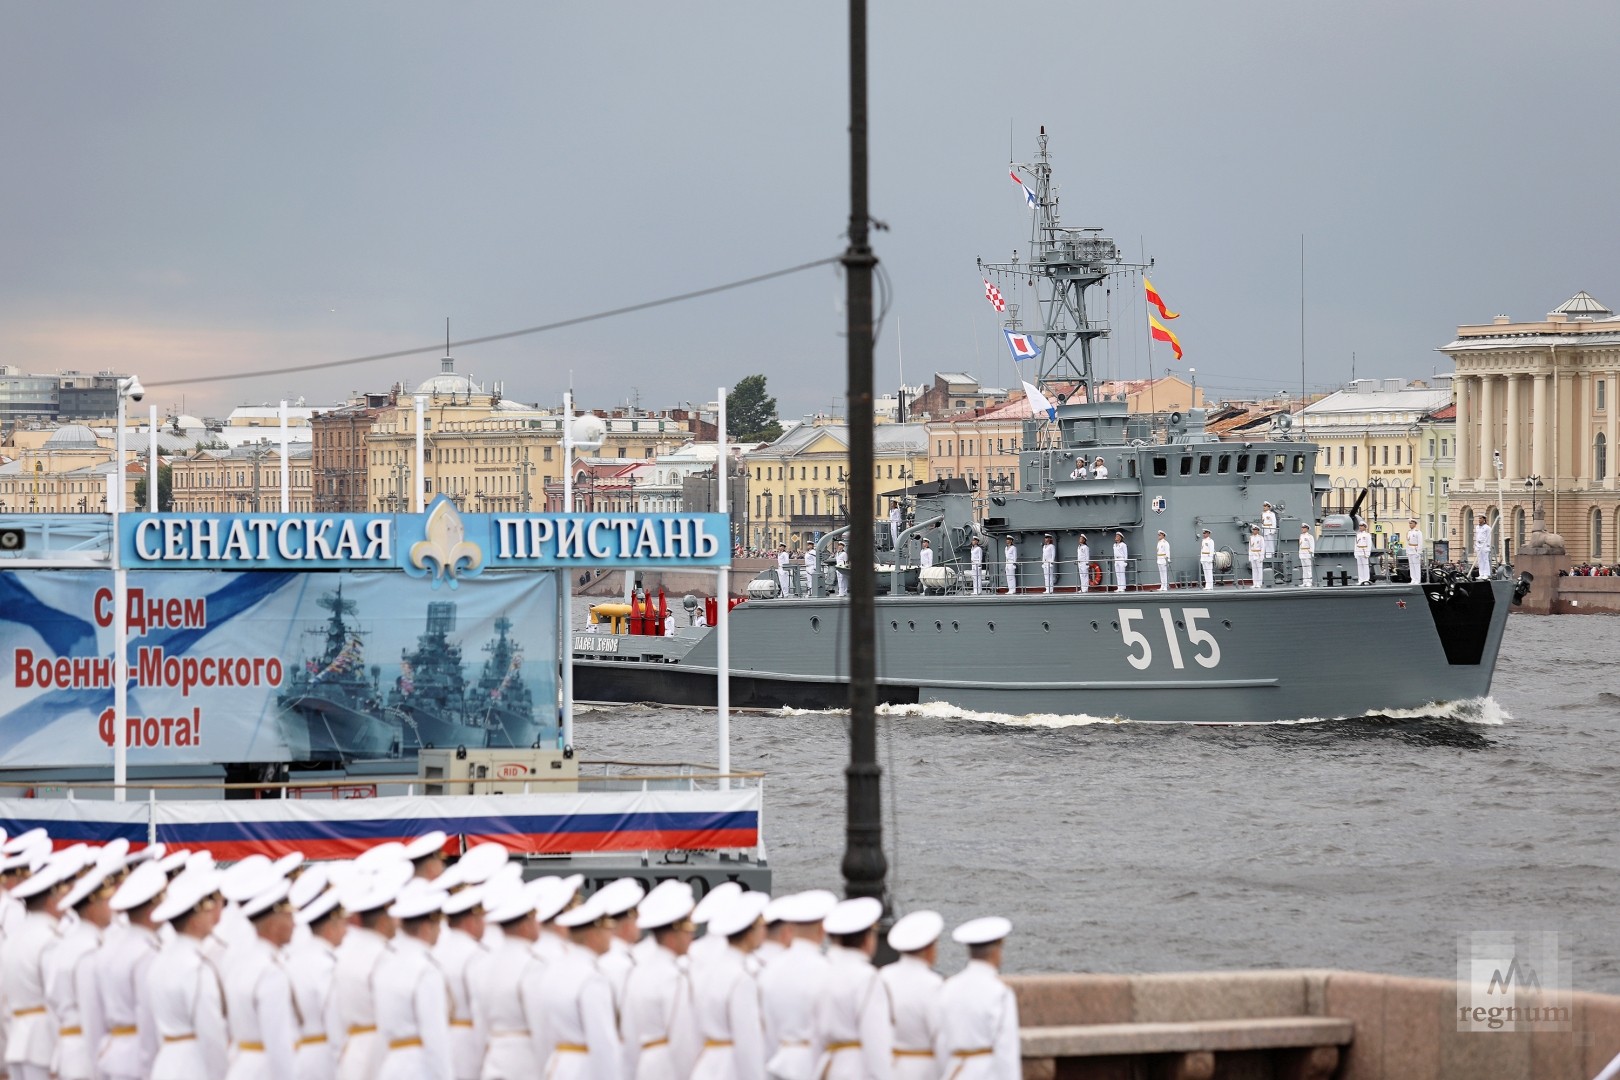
1096	471
397	965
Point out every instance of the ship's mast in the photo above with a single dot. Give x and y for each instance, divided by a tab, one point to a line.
1061	264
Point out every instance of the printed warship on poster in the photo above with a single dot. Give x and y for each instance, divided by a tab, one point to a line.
333	707
1131	649
430	693
500	701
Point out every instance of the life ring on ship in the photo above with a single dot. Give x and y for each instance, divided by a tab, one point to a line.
1096	575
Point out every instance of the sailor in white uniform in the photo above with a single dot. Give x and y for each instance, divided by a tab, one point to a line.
71	976
1009	555
726	997
1048	563
1482	547
792	984
854	1028
710	944
311	965
367	897
617	900
18	857
976	558
259	1008
913	987
1099	471
1206	559
812	564
1162	553
506	992
1080	471
577	1017
460	954
125	957
783	570
977	1017
1122	555
1082	560
1363	551
1307	554
188	1002
1268	529
841	568
31	1039
413	1000
925	557
1414	551
896	519
1257	557
426	854
656	1023
778	936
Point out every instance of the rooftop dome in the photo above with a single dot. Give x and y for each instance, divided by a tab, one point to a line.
447	382
1582	306
72	437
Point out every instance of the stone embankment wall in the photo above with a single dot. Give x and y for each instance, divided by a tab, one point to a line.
1554	595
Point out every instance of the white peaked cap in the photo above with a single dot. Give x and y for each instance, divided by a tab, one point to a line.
463	900
982	931
419	897
144	882
33	857
431	843
185	892
264	901
200	859
505	901
552	895
289	862
477	866
742	912
248	878
317	907
114	854
150	851
584	914
716	898
172	861
90	881
368	892
802	907
57	869
310	884
620	896
664	906
510	874
854	916
384	853
24	840
916	931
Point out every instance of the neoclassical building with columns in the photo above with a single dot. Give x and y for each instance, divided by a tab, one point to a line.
1542	395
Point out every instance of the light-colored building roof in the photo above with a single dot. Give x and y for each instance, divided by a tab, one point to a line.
73	437
1376	400
1582	305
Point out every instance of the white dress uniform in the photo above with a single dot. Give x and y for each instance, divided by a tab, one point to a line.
788	991
356	1011
925	558
460	958
70	991
131	1043
977	1025
913	995
854	1031
841	566
311	965
1257	560
188	1009
616	964
726	1002
657	1023
1082	559
31	1038
895	519
783	571
506	1002
11	916
1206	560
1307	556
1414	553
1009	555
1163	554
1363	551
976	555
1482	549
812	566
260	1013
1099	471
1121	557
1049	564
1268	531
413	1012
577	1020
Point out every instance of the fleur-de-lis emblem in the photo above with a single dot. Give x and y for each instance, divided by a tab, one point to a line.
446	553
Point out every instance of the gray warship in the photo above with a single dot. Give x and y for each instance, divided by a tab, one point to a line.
1100	647
332	707
500	702
430	694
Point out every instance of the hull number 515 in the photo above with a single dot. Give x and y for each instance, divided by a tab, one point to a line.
1203	646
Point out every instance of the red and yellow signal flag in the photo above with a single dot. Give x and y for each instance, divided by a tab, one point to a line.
1160	333
1158	301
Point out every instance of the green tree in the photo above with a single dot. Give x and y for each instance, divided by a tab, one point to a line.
750	412
165	490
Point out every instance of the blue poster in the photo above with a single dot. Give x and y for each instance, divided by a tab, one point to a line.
274	666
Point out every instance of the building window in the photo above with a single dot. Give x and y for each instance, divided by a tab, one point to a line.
1602	392
1431	448
1445	447
1518	527
1597	533
1353	450
1600	457
1341	455
1397	455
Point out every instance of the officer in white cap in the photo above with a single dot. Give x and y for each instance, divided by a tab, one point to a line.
576	1003
778	936
459	953
188	1003
413	1000
977	1035
125	958
648	944
656	1022
854	1029
367	896
506	992
914	992
311	966
790	987
478	865
240	882
31	1039
711	945
259	1008
617	900
726	997
70	968
1268	529
426	854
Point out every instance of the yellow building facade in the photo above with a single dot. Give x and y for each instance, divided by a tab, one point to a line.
798	486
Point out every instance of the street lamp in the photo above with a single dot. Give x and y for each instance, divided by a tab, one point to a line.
129	389
1501	516
1533	482
402	476
1376	487
524	469
587	435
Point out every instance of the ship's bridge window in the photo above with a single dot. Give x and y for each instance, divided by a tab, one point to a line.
1260	462
1204	461
1186	466
1281	463
1299	463
1225	464
1130	468
1243	463
1161	465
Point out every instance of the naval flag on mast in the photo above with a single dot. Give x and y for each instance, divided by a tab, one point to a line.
1038	401
1029	196
1022	345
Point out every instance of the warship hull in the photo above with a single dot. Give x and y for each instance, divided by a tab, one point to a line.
334	730
1228	656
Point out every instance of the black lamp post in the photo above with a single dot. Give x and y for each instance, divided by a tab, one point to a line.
1533	482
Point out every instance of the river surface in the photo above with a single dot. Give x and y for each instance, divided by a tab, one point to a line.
1114	847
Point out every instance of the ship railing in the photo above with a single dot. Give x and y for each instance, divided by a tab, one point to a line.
1030	578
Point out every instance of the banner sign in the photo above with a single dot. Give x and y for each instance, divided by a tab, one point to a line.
274	666
442	544
555	823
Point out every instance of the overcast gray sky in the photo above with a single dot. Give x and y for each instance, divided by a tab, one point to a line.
193	188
